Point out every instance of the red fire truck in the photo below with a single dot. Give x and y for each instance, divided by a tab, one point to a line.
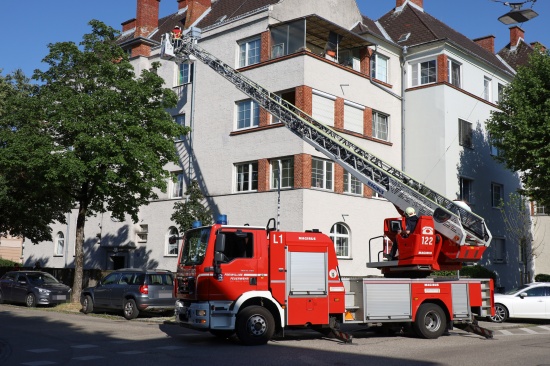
255	281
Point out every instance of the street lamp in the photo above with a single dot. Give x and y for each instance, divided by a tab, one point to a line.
517	14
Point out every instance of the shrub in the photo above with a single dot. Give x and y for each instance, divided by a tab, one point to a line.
6	263
478	272
542	277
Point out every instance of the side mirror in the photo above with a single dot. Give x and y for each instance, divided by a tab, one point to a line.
220	243
523	294
395	226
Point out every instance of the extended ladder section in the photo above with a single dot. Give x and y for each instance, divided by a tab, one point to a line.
456	223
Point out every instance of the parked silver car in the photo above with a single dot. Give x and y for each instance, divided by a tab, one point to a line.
132	291
531	301
33	288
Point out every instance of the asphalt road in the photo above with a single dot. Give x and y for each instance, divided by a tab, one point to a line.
36	337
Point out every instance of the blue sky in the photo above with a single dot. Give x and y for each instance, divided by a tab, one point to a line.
28	26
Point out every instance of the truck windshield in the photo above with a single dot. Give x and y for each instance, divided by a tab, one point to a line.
194	246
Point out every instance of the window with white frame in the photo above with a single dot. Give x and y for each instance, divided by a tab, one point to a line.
286	168
323	107
180	120
352	185
380	126
466	190
500	250
497	194
500	92
184	73
540	209
247	177
424	73
487	88
380	67
171	248
340	235
494	150
249	52
322	172
177	185
353	117
59	244
465	133
454	73
248	114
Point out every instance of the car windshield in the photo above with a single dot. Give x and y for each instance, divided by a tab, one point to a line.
41	279
517	289
194	246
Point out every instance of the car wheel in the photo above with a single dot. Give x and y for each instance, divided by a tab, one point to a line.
30	300
87	304
501	314
130	309
430	321
255	325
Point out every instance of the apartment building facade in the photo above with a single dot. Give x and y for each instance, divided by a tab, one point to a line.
419	103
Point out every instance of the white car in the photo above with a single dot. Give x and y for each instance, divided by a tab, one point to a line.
530	301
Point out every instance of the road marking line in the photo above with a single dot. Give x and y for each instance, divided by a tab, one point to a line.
544	327
82	346
505	332
42	350
528	330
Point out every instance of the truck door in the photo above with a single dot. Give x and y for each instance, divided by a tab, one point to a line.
239	268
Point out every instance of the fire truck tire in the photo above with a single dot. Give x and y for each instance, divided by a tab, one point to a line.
255	326
501	314
222	333
430	321
130	309
87	304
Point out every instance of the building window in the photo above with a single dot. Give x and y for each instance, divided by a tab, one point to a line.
486	88
290	98
177	185
380	68
321	174
380	126
494	150
497	194
352	185
59	244
248	114
287	173
340	235
454	73
184	73
323	107
171	248
353	117
424	73
466	191
500	250
500	92
249	52
247	177
142	233
540	210
180	120
465	133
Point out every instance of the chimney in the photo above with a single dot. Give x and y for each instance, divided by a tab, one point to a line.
147	17
487	42
129	24
538	45
516	33
399	3
195	8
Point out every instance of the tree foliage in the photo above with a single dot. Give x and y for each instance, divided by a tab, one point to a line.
192	209
521	129
107	133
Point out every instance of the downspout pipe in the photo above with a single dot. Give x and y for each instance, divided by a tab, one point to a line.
403	79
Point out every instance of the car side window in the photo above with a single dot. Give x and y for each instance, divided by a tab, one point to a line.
126	279
537	291
110	279
138	279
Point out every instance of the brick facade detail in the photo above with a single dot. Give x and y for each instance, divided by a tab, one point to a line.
339	113
302	171
304	97
265	51
338	178
367	121
442	72
263	175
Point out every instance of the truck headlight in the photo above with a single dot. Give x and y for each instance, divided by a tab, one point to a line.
201	312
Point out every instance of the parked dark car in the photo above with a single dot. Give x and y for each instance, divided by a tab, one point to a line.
33	288
132	291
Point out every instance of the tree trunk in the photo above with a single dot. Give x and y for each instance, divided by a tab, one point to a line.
79	253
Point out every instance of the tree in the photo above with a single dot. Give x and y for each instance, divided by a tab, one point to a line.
30	198
111	133
192	209
520	130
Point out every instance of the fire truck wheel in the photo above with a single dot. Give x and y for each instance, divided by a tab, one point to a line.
255	325
222	333
130	309
501	314
87	304
430	321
